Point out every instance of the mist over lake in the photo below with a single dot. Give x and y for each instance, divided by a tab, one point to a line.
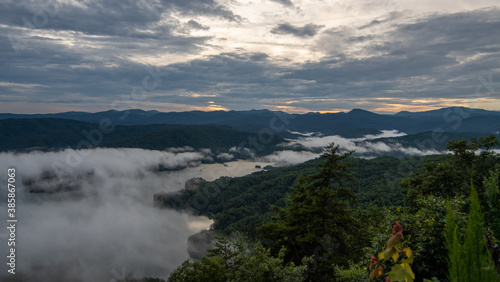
96	221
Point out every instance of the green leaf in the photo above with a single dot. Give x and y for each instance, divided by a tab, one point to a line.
402	272
409	256
388	253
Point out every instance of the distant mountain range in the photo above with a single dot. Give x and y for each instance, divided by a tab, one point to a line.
222	130
352	124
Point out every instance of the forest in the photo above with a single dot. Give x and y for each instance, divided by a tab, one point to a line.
339	218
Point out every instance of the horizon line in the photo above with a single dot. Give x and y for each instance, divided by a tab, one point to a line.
263	109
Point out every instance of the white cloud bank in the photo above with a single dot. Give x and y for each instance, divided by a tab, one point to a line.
288	157
366	147
105	224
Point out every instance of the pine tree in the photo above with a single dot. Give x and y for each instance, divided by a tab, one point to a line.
452	244
317	220
471	260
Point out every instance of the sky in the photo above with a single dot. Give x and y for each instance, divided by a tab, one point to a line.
291	55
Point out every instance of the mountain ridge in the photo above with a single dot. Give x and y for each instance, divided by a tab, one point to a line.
353	124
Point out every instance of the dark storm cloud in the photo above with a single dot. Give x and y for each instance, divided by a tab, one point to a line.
307	30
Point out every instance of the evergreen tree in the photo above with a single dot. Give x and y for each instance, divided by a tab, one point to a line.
471	260
317	220
452	244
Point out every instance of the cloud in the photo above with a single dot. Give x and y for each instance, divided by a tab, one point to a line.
245	152
366	146
225	157
286	3
303	133
203	7
318	143
287	158
307	30
438	53
181	149
127	18
101	219
196	25
384	134
385	60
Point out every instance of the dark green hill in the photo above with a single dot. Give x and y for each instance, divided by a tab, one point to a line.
41	134
216	137
243	203
53	133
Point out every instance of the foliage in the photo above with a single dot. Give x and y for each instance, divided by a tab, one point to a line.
351	273
492	196
469	260
395	260
56	133
318	219
426	227
242	204
378	180
423	232
230	261
452	243
450	176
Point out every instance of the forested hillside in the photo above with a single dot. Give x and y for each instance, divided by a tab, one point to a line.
55	133
314	222
243	203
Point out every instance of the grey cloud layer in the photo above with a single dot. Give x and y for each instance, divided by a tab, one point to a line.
439	50
127	18
437	56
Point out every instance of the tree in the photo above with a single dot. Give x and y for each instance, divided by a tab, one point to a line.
439	179
492	197
317	220
450	176
470	260
231	261
424	229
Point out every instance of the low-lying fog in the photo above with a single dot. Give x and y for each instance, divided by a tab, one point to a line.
89	215
364	147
